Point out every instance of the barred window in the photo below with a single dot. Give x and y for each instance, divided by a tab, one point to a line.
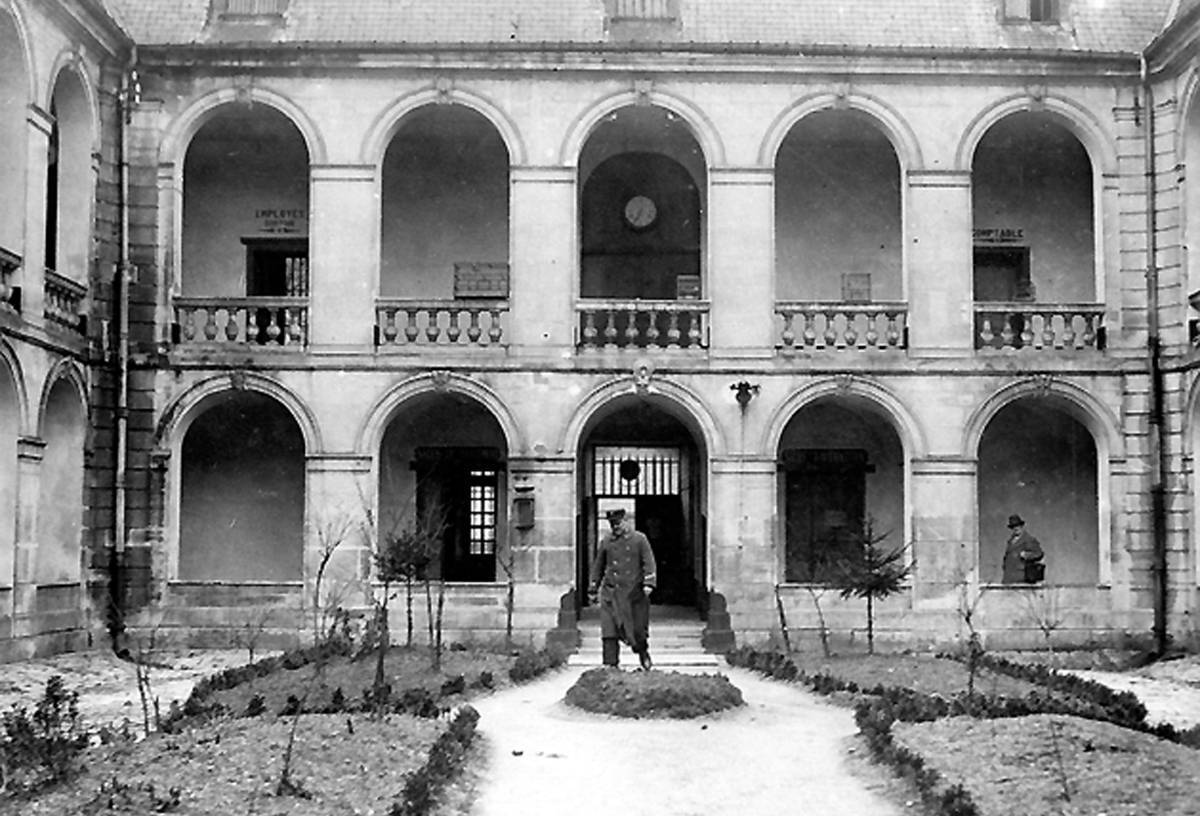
482	512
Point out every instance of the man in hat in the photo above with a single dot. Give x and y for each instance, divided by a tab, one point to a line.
621	580
1023	555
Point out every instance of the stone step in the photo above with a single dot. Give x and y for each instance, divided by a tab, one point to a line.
670	660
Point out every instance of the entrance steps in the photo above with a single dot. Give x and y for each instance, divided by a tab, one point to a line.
675	645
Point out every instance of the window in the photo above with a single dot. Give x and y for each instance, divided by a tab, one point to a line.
482	512
276	267
460	488
643	10
237	10
1034	11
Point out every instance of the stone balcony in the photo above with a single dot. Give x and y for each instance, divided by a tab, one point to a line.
642	324
256	322
1039	327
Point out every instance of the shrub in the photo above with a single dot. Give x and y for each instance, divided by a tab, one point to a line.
255	706
455	685
141	797
530	664
43	747
444	763
652	694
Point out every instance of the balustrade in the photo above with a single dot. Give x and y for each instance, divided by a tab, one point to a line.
262	321
835	325
643	324
1040	327
440	322
63	302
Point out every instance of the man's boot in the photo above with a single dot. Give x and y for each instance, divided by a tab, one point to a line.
611	651
644	659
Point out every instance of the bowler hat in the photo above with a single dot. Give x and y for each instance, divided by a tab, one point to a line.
1015	521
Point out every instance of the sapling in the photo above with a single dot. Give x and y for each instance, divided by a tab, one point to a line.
869	571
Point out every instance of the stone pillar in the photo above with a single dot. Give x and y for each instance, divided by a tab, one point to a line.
545	268
30	453
343	252
545	565
33	265
944	529
743	563
741	272
941	316
341	505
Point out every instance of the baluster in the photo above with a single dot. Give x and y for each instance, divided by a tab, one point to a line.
473	330
295	326
693	333
893	333
389	326
810	332
789	334
986	335
610	328
273	329
1006	333
411	332
210	324
830	335
872	335
589	327
1048	333
851	334
453	332
495	330
432	329
631	327
1068	332
652	329
233	323
1027	330
1089	333
188	329
673	334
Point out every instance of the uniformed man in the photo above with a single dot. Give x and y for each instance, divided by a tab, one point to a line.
622	578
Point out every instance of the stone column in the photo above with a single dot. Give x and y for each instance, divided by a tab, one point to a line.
743	564
343	251
944	529
545	268
30	453
941	315
741	272
33	264
545	563
341	505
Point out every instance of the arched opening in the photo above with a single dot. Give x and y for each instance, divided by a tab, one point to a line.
1034	233
1191	197
1040	463
245	206
449	480
642	185
14	122
69	188
9	431
648	460
445	207
841	475
837	211
60	499
242	487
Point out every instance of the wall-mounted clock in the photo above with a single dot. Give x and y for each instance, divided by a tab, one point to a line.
640	212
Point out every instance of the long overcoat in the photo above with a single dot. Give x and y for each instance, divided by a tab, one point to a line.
624	564
1022	548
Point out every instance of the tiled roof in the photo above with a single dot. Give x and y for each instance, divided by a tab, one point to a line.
1089	25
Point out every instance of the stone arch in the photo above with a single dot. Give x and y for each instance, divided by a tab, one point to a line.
912	437
1074	117
702	128
665	393
70	62
370	434
68	370
885	117
185	407
10	363
12	427
17	95
14	9
1076	401
179	134
380	134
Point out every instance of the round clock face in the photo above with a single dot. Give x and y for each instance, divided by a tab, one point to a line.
640	212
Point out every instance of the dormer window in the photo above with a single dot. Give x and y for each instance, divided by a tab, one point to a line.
249	11
647	20
1032	11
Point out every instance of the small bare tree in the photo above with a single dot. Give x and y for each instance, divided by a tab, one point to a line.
508	565
331	532
869	571
1042	607
252	629
970	594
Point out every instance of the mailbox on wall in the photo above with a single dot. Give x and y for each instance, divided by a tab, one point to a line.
523	508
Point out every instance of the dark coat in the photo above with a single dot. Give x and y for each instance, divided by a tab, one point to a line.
1022	549
624	564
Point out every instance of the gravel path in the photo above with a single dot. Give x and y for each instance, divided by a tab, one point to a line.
784	749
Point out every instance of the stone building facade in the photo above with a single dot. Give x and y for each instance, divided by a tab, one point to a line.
761	275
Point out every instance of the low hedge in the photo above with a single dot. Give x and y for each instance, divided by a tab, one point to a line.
445	762
639	695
